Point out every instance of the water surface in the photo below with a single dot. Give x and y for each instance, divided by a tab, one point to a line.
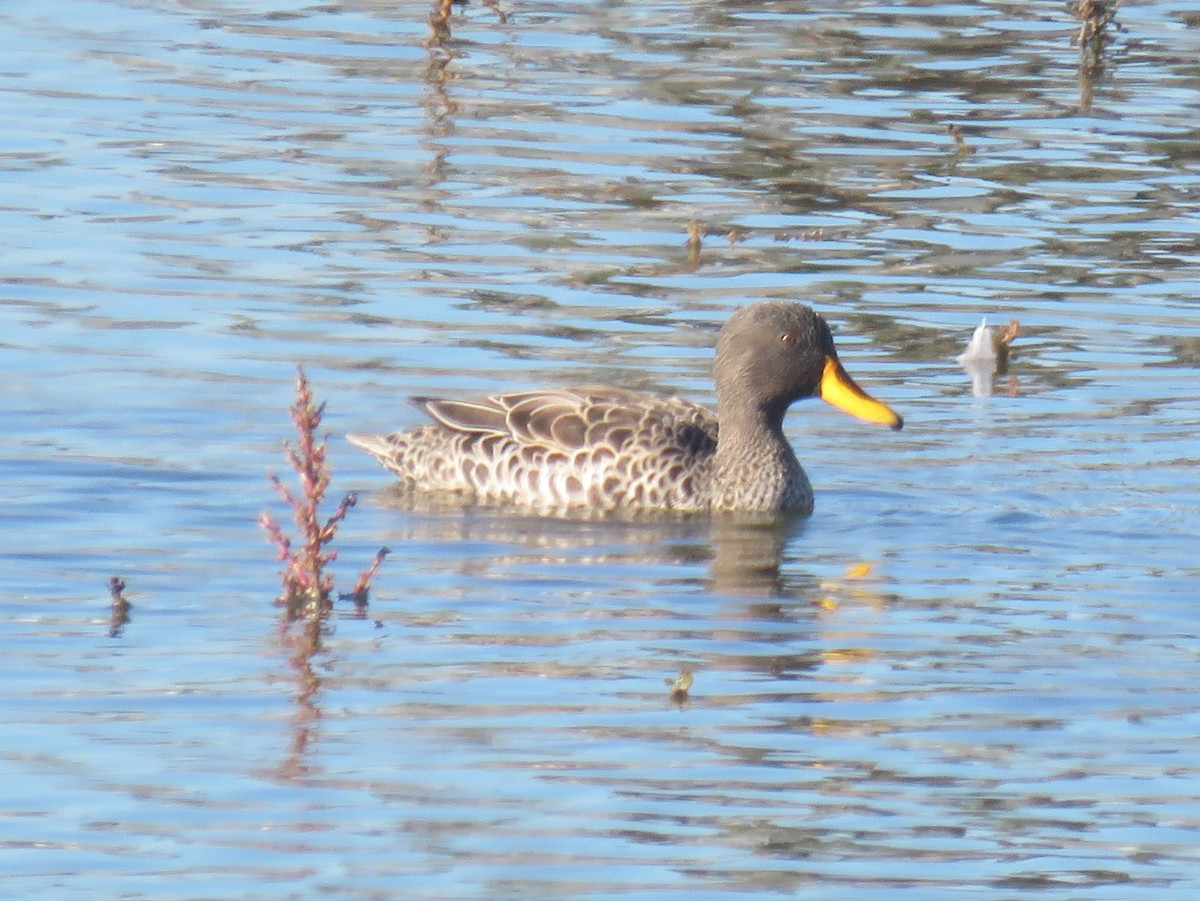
971	673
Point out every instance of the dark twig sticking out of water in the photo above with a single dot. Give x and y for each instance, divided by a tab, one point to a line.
439	20
1094	17
307	586
439	43
439	23
119	617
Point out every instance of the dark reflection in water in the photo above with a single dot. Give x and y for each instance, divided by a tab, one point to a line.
743	556
747	556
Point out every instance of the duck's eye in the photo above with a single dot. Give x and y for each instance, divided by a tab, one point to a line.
789	339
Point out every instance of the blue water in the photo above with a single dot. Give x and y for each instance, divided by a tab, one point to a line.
970	674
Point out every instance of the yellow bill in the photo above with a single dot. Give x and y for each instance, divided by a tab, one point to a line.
839	389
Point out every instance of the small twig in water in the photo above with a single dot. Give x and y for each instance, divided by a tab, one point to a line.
439	23
679	687
1094	16
119	618
361	590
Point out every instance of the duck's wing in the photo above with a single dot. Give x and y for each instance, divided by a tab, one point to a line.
473	416
571	420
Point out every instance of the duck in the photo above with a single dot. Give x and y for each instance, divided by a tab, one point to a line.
601	449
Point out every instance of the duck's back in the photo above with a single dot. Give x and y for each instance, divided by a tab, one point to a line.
593	448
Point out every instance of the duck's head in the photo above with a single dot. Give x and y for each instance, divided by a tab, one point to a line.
774	353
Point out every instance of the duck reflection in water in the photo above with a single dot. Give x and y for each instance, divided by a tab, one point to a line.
741	556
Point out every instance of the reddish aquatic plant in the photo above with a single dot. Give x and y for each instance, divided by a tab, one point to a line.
307	586
361	588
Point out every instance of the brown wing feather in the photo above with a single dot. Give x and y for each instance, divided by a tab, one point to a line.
577	419
484	416
553	419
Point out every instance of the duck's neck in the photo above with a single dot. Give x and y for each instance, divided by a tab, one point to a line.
756	469
749	425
